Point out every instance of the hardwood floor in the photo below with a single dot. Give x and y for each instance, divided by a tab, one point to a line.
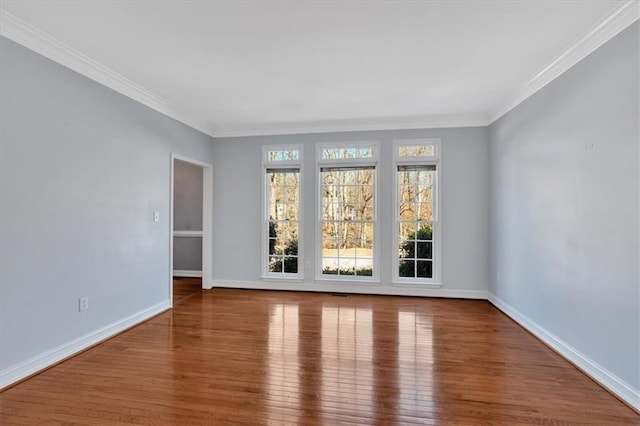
256	357
185	287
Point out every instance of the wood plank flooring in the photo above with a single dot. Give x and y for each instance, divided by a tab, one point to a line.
185	287
257	357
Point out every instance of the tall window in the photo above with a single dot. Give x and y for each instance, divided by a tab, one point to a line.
281	211
417	226
347	211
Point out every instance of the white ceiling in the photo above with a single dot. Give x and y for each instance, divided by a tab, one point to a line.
265	67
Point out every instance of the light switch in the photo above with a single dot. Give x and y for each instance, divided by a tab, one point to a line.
156	216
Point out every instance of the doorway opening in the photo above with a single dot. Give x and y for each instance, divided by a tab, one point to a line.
191	234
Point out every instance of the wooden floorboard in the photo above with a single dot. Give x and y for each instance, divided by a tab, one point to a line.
248	357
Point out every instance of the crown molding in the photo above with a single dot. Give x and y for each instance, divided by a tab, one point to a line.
611	25
32	38
350	125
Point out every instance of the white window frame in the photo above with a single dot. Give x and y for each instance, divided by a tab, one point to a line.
435	160
348	162
283	164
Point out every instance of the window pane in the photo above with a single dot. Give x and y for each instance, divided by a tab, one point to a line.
424	150
423	250
366	153
407	249
290	265
283	210
272	245
347	153
283	155
364	272
291	179
347	213
292	211
424	269
406	151
407	230
424	211
331	210
275	264
423	177
329	244
330	265
425	232
363	257
346	267
408	212
406	268
416	214
283	230
292	196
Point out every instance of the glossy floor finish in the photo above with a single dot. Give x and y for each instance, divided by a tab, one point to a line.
257	357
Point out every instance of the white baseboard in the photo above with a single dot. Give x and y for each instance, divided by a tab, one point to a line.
607	379
46	359
186	273
344	287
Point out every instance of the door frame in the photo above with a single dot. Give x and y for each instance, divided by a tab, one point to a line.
207	221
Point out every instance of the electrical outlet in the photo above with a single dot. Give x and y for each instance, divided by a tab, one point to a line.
83	303
307	264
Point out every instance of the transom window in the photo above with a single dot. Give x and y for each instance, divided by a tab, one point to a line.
284	154
282	212
333	153
416	220
424	150
347	211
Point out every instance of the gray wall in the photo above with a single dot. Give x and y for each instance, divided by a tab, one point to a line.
187	215
464	175
82	170
564	207
187	254
187	199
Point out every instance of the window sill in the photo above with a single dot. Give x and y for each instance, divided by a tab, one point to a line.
413	284
339	281
284	278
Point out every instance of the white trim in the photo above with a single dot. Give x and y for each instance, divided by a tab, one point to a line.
191	160
207	220
29	36
611	25
326	286
416	282
207	226
46	359
187	234
186	273
264	215
172	172
284	277
433	121
597	372
348	162
435	160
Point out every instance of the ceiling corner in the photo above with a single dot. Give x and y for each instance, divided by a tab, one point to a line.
611	25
